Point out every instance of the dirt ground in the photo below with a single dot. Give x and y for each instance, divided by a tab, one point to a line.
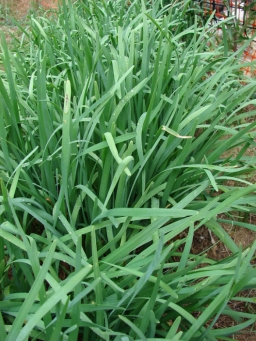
204	241
20	8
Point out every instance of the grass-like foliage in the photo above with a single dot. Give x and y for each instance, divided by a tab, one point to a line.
115	121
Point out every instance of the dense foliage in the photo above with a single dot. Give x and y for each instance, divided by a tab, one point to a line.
118	122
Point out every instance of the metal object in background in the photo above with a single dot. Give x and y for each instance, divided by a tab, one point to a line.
243	10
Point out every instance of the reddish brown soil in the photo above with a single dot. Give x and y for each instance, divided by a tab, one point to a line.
20	8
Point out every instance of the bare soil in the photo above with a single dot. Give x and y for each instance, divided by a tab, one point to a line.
20	8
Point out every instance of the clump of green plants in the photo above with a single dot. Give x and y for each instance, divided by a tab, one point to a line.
4	12
115	119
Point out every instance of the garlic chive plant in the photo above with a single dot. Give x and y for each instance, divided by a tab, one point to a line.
115	121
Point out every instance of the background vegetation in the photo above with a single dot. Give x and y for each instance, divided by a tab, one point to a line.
116	121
